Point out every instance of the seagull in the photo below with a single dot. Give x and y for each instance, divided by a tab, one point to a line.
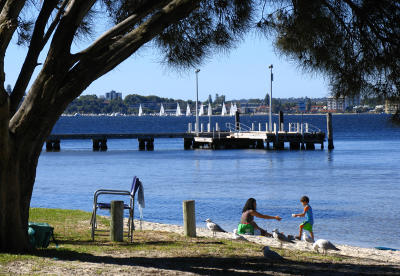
236	236
307	238
271	255
214	227
281	238
324	245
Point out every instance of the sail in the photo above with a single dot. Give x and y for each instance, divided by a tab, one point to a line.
223	112
232	110
162	111
201	112
209	109
140	110
178	110
188	113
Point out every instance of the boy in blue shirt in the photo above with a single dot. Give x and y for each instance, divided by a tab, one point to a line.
307	213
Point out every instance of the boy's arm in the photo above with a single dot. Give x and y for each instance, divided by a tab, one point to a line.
304	212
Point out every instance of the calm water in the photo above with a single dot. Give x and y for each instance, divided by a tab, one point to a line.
354	190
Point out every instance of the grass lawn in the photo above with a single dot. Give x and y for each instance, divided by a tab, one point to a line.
154	253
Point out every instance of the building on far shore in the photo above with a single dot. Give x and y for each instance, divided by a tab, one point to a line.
113	95
342	103
392	105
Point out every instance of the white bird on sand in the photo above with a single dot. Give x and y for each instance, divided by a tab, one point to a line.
281	238
214	227
236	236
324	245
307	238
271	255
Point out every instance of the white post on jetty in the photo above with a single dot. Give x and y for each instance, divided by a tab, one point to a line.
259	127
201	127
270	99
197	100
216	127
298	128
252	126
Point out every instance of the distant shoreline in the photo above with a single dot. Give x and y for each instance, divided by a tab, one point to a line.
226	116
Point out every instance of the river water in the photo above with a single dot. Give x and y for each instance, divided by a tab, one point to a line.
354	189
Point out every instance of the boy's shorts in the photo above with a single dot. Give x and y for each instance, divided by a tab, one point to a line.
245	229
307	226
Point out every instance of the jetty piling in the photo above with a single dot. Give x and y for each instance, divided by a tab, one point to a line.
53	145
237	120
330	130
281	122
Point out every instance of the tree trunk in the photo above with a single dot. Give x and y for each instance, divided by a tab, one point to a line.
16	185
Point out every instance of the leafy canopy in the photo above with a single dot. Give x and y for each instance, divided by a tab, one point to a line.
355	43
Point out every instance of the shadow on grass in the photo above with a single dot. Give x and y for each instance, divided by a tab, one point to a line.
219	265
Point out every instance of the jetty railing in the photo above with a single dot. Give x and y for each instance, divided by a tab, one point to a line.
237	127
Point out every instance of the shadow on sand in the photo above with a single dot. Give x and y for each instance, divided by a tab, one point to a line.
220	265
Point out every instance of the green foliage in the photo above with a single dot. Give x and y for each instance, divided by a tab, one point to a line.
356	44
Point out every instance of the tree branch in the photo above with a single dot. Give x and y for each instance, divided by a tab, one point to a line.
121	28
125	46
8	24
66	30
38	41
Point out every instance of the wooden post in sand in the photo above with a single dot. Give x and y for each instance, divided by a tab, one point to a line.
189	218
117	221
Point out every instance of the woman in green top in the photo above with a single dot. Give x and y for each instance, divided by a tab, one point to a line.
247	224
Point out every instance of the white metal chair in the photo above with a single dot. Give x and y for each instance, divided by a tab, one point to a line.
136	185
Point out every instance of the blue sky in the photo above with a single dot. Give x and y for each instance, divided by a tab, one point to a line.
240	73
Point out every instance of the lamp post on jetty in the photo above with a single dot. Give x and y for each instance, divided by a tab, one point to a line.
197	100
270	99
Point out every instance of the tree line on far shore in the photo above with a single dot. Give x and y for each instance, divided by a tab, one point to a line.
92	104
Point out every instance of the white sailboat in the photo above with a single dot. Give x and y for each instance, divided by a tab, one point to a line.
201	112
178	110
209	109
162	111
223	112
140	113
232	110
188	113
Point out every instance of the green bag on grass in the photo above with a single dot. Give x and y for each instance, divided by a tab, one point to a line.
40	234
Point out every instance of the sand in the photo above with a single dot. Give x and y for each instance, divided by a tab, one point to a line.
386	256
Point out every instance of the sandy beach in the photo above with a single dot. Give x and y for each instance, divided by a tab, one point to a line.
384	256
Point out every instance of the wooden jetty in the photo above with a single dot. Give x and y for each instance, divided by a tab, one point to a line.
234	136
